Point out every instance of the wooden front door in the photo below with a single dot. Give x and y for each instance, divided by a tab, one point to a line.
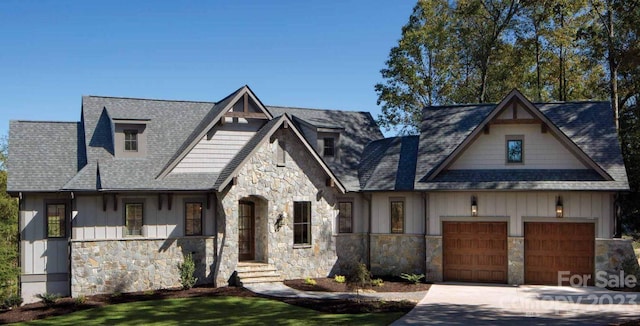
246	231
553	247
475	251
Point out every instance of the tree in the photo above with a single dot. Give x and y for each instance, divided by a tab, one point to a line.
420	70
611	36
481	25
8	232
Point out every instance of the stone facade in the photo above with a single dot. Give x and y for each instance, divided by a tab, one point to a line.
433	244
274	188
613	254
515	256
393	254
130	265
352	247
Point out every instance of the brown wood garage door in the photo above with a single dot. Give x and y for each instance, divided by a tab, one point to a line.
553	247
475	251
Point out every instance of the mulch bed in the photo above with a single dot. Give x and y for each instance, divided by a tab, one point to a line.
390	284
68	305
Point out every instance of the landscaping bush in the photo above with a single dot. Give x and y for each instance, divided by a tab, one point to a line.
80	300
340	279
358	276
310	281
377	282
187	269
49	299
413	278
11	301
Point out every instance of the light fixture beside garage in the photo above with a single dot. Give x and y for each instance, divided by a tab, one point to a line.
474	206
559	207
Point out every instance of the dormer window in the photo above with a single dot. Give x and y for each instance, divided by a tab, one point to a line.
131	140
329	149
328	143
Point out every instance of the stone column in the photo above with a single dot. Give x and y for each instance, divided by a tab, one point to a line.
515	270
433	250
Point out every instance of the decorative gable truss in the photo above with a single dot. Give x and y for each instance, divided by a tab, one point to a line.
503	131
222	133
232	131
265	134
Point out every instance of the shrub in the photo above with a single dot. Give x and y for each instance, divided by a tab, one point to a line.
377	282
358	276
80	300
310	281
49	299
630	267
340	278
187	269
11	301
413	278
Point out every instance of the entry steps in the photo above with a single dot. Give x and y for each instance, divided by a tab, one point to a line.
252	272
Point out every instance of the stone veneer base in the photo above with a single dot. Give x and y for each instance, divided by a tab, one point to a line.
131	265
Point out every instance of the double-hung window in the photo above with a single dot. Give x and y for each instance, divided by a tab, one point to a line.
397	215
345	217
131	140
193	218
56	220
302	223
133	215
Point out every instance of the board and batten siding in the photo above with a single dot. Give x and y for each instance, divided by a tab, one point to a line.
519	207
215	150
541	150
381	212
359	214
93	223
44	263
39	254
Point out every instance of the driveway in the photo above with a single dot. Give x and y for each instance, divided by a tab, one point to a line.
481	304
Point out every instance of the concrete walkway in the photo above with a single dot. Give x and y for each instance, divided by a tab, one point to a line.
482	304
278	289
479	304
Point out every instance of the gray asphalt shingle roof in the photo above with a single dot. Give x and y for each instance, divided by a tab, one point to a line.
43	156
357	129
82	159
589	125
50	156
389	164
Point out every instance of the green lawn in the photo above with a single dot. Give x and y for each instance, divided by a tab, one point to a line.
212	311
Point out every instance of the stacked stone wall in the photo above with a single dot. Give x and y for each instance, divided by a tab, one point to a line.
277	187
131	265
613	255
394	254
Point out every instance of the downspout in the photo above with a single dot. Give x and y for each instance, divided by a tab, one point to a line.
72	206
617	214
20	209
368	198
425	197
214	207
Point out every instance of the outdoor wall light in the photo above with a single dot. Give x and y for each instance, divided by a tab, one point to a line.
474	206
559	207
280	221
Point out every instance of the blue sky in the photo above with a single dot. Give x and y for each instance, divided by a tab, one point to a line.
319	54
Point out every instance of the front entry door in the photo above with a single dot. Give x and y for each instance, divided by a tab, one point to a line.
246	231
